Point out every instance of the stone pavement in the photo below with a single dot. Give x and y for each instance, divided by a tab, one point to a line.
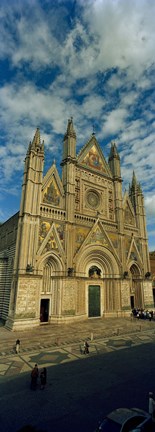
51	345
56	335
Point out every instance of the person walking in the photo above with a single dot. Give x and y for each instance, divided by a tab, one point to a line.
34	377
43	378
150	316
152	406
86	347
17	346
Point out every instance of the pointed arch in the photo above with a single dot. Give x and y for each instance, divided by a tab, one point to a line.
100	257
55	262
135	270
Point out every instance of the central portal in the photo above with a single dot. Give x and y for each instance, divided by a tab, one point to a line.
94	301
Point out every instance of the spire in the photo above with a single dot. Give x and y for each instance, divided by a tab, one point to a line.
36	140
113	152
114	161
135	186
134	180
69	142
135	192
70	129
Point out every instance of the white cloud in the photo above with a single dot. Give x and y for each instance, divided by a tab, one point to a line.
125	33
115	121
111	34
150	205
97	65
92	106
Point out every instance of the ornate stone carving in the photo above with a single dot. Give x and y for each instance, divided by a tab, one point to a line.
92	199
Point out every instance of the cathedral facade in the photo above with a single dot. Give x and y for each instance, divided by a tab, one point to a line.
78	247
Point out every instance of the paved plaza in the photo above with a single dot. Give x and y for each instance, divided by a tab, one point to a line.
51	345
81	389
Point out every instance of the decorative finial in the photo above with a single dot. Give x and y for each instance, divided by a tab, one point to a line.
93	133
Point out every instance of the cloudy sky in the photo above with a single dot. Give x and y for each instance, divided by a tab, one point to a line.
90	59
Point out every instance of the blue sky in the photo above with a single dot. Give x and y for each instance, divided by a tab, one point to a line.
90	59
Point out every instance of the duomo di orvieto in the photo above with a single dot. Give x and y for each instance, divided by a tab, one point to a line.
78	246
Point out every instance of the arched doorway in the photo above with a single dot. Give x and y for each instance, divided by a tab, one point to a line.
46	292
51	267
100	270
135	287
94	292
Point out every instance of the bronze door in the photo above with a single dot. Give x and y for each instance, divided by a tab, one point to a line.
94	301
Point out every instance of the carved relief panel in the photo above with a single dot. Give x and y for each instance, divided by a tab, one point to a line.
93	193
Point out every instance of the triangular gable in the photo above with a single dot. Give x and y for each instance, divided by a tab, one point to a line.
52	189
80	235
133	254
129	215
114	239
91	156
51	241
98	236
127	246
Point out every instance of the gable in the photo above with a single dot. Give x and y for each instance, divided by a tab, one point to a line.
80	235
129	215
51	194
134	252
51	237
92	157
98	236
52	190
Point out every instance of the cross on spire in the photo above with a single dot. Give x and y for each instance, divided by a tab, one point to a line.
93	133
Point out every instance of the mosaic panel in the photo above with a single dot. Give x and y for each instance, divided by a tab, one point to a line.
93	160
114	239
97	237
52	194
81	234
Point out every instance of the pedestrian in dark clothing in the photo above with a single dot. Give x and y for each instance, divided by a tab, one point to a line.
152	406
43	378
34	377
86	348
17	346
150	316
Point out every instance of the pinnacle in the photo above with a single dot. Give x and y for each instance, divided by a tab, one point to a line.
113	151
70	128
135	186
134	180
36	140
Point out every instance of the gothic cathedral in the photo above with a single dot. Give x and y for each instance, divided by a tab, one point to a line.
78	247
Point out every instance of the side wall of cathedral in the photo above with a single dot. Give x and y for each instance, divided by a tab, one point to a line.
8	235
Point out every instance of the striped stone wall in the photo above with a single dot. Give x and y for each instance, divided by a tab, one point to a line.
8	235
